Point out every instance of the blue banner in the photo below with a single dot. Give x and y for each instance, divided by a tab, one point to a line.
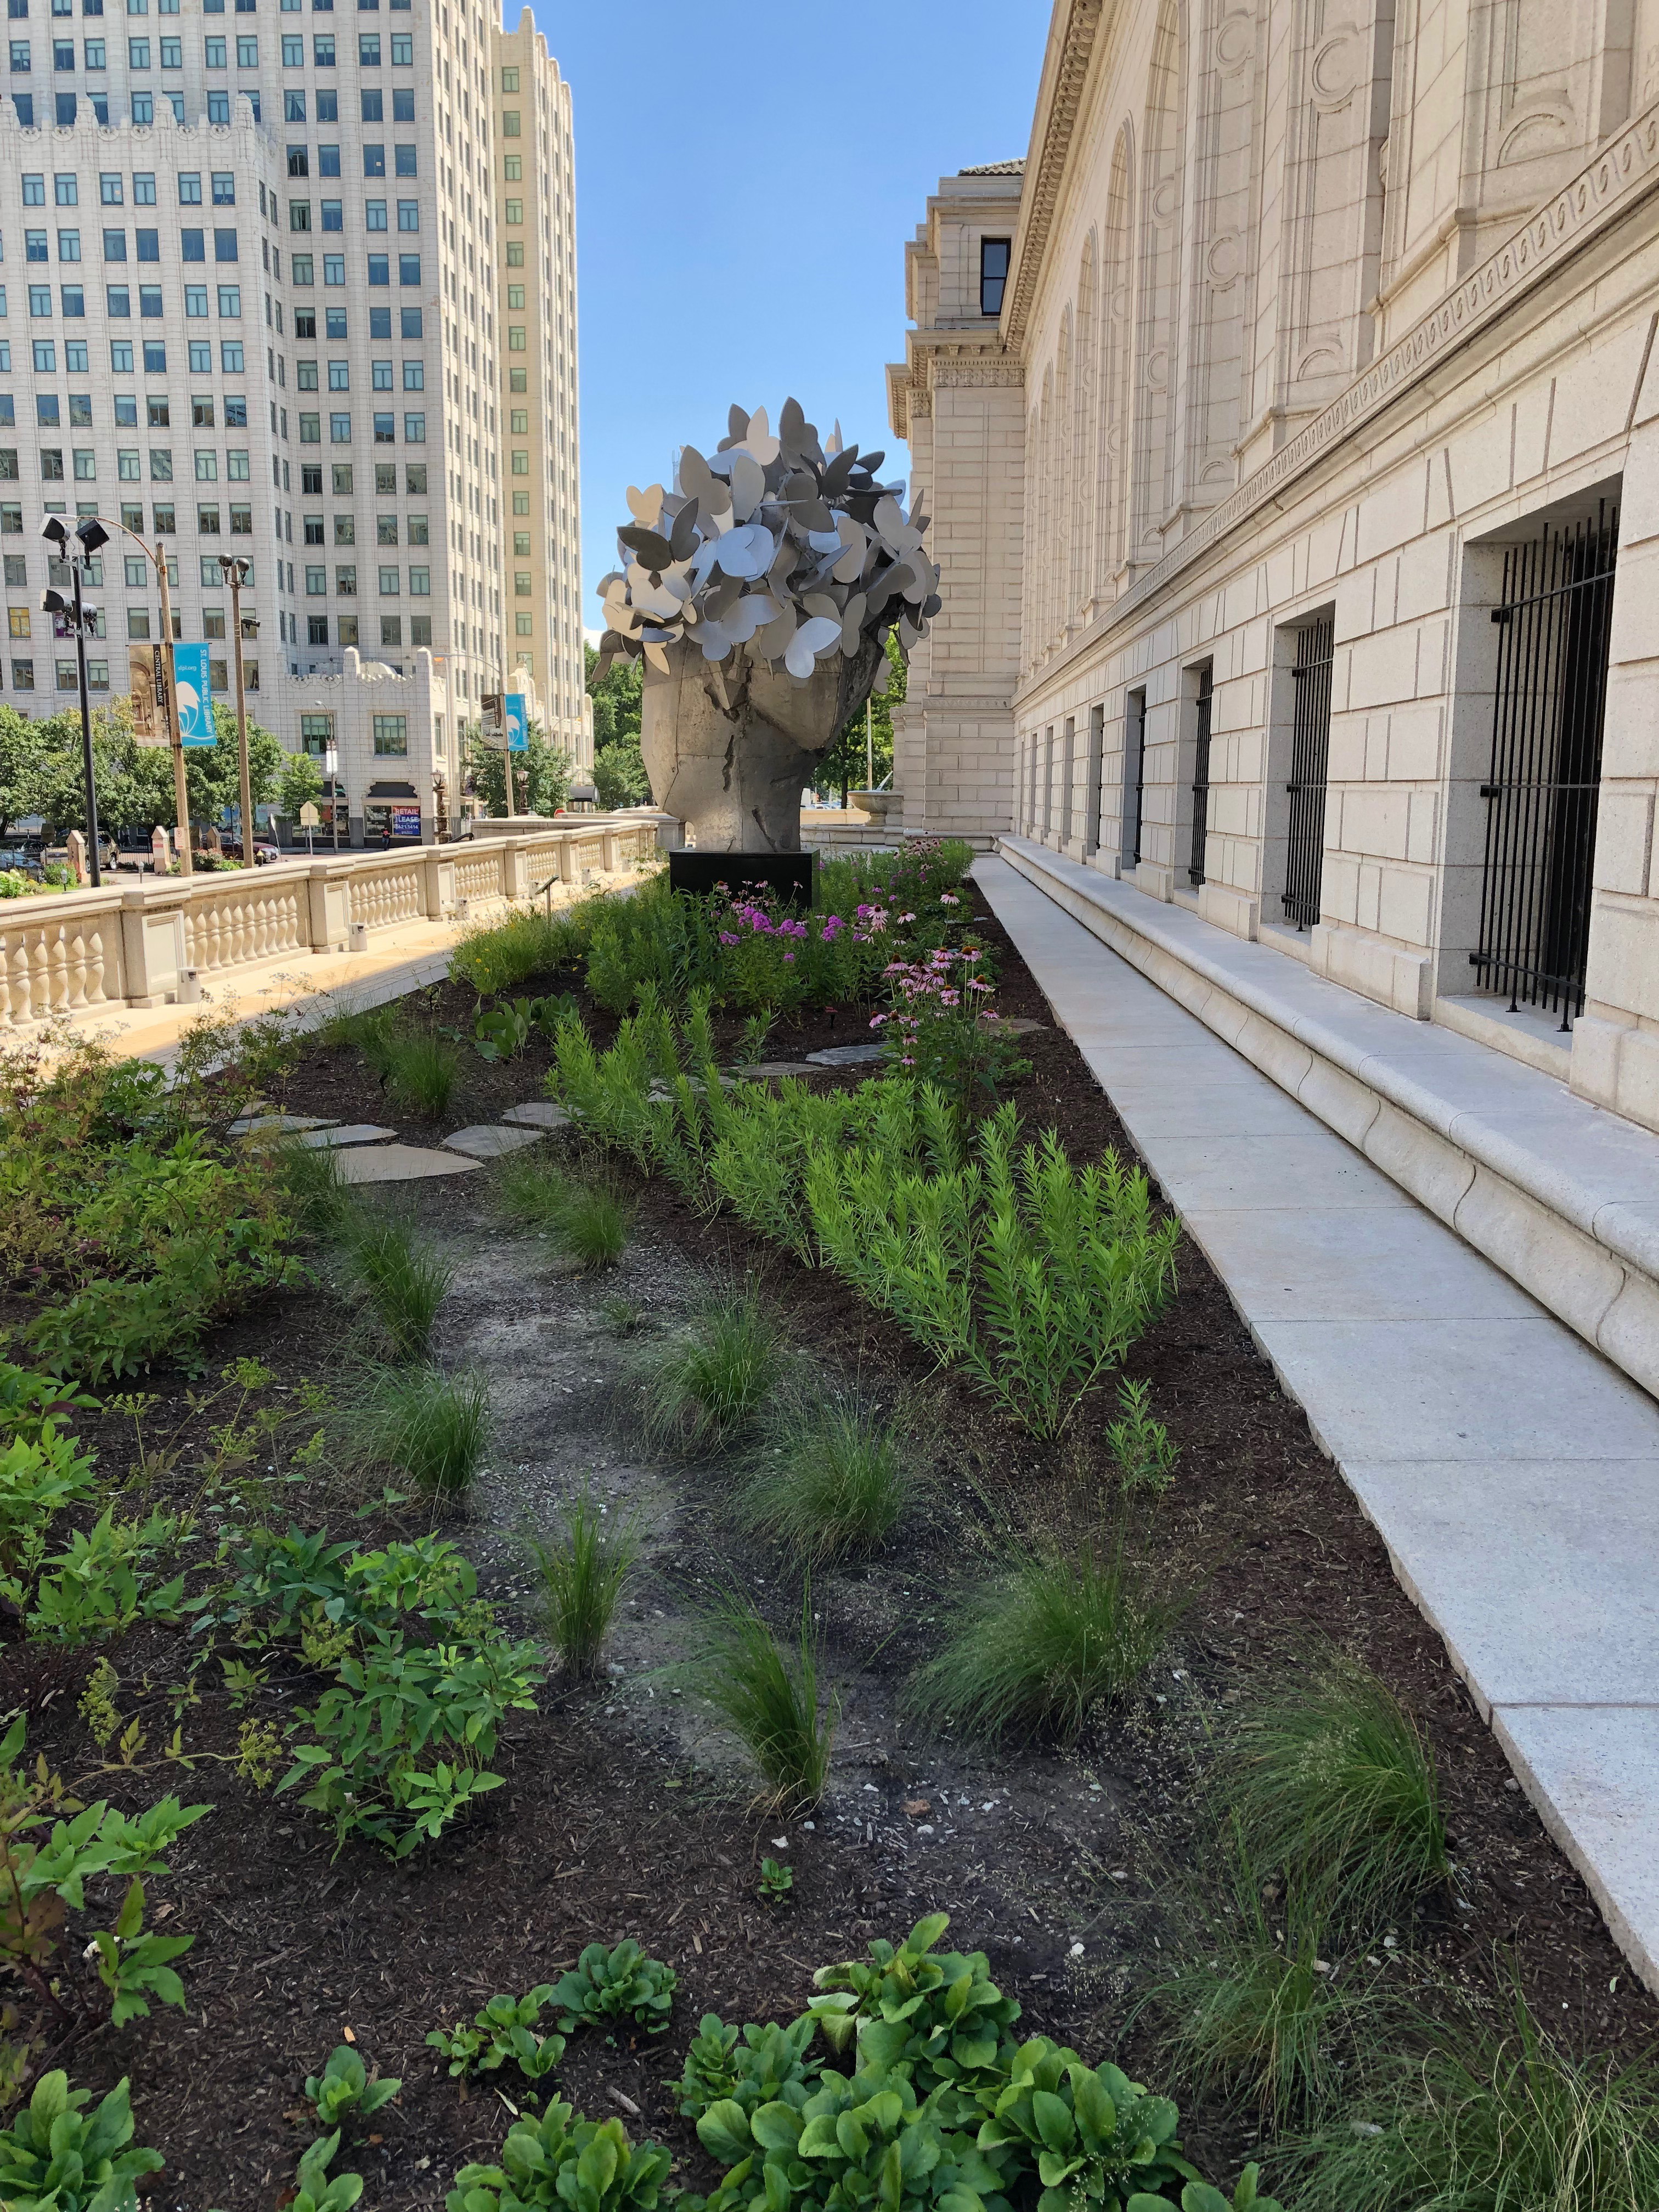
192	698
518	722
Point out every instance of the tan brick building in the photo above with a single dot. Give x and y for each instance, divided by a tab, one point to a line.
1290	422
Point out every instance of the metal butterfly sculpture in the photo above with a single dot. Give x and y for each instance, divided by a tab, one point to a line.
774	545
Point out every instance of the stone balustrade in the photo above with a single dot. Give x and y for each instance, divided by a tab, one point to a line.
76	953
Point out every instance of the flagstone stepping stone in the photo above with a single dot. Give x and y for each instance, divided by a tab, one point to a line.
353	1133
488	1140
845	1055
1020	1025
400	1164
537	1113
763	1071
278	1125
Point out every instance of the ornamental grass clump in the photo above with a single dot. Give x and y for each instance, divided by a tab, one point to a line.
432	1427
420	1069
1486	2118
1333	1789
707	1383
500	955
835	1478
586	1216
583	1570
1039	1646
768	1696
403	1280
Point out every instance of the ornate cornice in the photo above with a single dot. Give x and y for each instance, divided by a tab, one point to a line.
946	370
1622	175
1059	97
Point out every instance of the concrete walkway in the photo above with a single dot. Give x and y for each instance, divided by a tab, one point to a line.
1512	1472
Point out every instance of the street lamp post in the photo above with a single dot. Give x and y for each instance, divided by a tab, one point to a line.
235	572
77	615
332	770
180	784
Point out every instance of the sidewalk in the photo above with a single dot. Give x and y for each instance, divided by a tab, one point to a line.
1512	1470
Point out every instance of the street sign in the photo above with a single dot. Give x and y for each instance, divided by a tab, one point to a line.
147	684
490	714
192	695
518	722
309	817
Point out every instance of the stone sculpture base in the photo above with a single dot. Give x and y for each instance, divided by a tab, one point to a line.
698	873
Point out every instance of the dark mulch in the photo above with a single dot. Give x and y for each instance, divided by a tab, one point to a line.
603	1831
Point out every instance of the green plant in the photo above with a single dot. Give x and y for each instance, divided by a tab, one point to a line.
313	2190
405	1736
1095	2138
134	1966
432	1427
769	1697
504	1030
420	1070
938	2014
41	1876
1333	1784
1488	2119
1040	1645
366	1030
582	1571
565	2161
834	1480
751	1048
1140	1446
405	1282
1071	1271
706	1383
620	1983
498	956
753	2067
344	2086
623	1316
588	1219
102	1583
1252	2005
56	2157
777	1881
502	2029
38	1474
314	1192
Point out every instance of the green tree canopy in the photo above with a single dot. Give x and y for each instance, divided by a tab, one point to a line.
843	767
541	774
41	770
300	784
619	774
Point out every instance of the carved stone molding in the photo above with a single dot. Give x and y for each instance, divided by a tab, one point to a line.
1618	179
1042	177
946	371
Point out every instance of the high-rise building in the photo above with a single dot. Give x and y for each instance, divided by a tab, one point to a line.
260	309
541	526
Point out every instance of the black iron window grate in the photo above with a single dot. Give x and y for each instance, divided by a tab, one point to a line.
1310	756
1135	742
1553	624
1201	777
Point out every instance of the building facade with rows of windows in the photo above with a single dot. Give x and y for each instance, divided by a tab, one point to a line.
252	292
1289	415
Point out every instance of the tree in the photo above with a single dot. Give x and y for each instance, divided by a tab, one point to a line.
20	768
301	784
134	782
541	774
844	765
619	773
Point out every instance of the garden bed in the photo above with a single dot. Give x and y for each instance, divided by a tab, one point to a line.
624	1812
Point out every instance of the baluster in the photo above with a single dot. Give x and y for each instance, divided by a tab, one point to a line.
74	974
22	992
94	976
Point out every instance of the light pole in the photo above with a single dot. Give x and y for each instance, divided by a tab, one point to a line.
235	573
158	559
332	771
86	543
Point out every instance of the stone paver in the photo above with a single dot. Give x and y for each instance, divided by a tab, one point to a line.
537	1113
845	1055
1512	1471
489	1141
400	1164
333	1135
278	1125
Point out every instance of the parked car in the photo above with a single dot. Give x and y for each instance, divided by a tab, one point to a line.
264	855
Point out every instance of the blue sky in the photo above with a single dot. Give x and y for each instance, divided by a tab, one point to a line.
746	177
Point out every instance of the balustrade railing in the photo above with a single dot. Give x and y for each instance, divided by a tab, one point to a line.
77	953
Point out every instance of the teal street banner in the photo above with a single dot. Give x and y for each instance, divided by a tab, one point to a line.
518	722
192	696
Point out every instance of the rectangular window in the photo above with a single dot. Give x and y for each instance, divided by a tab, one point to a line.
247	53
214	55
372	102
316	581
219	107
224	188
224	245
345	581
993	274
513	168
414	376
414	429
510	123
207	465
311	429
299	215
389	583
143	188
345	529
409	268
403	100
408	215
334	270
230	302
196	300
409	323
403	50
520	464
230	356
192	245
96	54
155	357
405	162
380	270
514	210
69	245
207	521
161	465
115	245
416	529
391	736
420	583
110	189
173	56
385	529
143	108
386	430
515	337
236	463
339	430
369	49
342	480
375	214
306	374
322	49
380	375
333	215
339	376
85	466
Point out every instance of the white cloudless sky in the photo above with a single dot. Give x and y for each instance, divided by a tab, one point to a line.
746	177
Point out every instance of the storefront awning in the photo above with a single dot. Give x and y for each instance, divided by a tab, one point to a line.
391	791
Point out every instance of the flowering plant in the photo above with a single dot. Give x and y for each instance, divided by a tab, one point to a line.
943	1028
772	960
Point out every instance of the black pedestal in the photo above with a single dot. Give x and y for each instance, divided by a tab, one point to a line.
788	875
